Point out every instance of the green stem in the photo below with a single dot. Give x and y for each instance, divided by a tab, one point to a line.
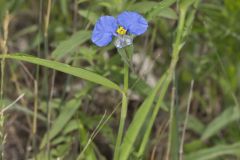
125	84
173	139
2	136
4	48
123	112
2	81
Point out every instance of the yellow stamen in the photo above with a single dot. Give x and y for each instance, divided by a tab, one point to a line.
121	31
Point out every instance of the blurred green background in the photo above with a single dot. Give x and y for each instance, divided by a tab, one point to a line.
210	57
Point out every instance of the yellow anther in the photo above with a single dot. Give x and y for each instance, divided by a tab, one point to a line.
121	31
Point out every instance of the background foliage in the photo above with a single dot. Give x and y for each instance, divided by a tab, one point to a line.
73	111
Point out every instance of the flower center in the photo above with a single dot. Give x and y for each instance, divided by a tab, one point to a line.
121	30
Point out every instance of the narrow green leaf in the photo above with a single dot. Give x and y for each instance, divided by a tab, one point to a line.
195	124
194	145
228	116
64	7
142	7
70	44
184	4
91	16
158	8
138	121
65	115
173	131
162	93
78	72
168	13
215	152
149	6
89	153
24	110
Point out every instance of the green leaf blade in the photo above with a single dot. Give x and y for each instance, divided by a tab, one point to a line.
215	152
138	121
65	68
65	115
229	115
68	45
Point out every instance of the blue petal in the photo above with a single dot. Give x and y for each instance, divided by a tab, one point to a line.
104	30
133	22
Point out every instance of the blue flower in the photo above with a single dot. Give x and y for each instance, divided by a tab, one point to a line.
124	27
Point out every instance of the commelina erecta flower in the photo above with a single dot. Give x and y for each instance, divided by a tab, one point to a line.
124	28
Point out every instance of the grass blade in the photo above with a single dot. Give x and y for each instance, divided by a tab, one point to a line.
78	72
138	121
147	133
215	152
65	115
229	115
158	8
68	45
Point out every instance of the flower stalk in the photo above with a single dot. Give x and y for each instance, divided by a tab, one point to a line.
122	29
124	51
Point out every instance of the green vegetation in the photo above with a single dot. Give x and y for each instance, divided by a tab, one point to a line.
172	95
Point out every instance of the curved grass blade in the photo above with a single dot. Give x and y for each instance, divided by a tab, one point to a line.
215	152
229	115
78	72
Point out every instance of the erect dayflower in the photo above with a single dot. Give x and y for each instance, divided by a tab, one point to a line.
124	27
